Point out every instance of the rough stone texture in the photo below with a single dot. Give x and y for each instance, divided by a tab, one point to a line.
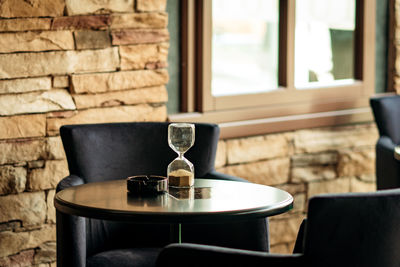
142	112
151	5
220	158
21	151
333	138
35	102
281	249
54	148
285	230
13	242
60	81
30	24
59	62
51	210
30	208
24	258
142	56
25	85
104	82
358	185
22	126
139	20
356	162
371	178
312	173
12	179
10	226
36	41
325	158
257	148
270	172
81	22
46	252
35	164
33	8
141	36
127	97
49	176
76	7
341	185
92	39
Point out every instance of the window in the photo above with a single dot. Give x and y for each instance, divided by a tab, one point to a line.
257	66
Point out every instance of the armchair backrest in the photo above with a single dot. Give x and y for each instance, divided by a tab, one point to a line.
99	152
387	116
354	229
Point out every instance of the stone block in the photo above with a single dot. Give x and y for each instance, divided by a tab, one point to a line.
34	126
143	112
81	22
284	230
139	21
58	62
21	151
36	102
142	56
51	210
36	41
23	258
127	97
334	138
13	179
35	164
358	185
25	85
151	5
60	81
370	178
340	185
49	176
29	24
220	158
92	39
356	162
139	36
280	249
23	8
30	208
104	82
324	158
312	173
14	242
256	148
77	7
54	148
293	189
45	253
269	172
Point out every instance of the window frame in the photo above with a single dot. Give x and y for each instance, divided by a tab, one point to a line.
283	109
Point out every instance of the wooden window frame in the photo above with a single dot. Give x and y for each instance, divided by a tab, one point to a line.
283	109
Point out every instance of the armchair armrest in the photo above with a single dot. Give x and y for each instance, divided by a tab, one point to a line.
387	165
223	176
179	255
69	181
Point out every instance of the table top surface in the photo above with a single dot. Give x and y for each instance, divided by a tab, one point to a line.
209	201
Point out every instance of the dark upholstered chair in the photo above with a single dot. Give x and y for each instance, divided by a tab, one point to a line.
387	116
346	230
100	152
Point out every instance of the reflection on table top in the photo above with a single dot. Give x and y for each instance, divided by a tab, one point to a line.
209	200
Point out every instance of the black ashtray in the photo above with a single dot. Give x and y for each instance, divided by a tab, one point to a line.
147	184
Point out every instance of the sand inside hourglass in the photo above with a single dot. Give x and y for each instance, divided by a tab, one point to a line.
181	178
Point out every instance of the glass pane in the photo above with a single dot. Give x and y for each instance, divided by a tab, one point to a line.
324	42
244	46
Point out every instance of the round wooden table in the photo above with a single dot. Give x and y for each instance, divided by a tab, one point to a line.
209	201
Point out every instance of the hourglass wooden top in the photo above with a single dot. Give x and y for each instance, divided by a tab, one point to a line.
208	201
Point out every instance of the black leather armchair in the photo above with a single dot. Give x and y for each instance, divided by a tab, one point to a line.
387	117
347	230
100	152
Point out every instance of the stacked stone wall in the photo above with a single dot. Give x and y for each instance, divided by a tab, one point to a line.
66	62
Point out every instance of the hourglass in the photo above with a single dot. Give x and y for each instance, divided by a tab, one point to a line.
180	171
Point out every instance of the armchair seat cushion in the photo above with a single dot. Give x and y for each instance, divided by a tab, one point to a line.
131	257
